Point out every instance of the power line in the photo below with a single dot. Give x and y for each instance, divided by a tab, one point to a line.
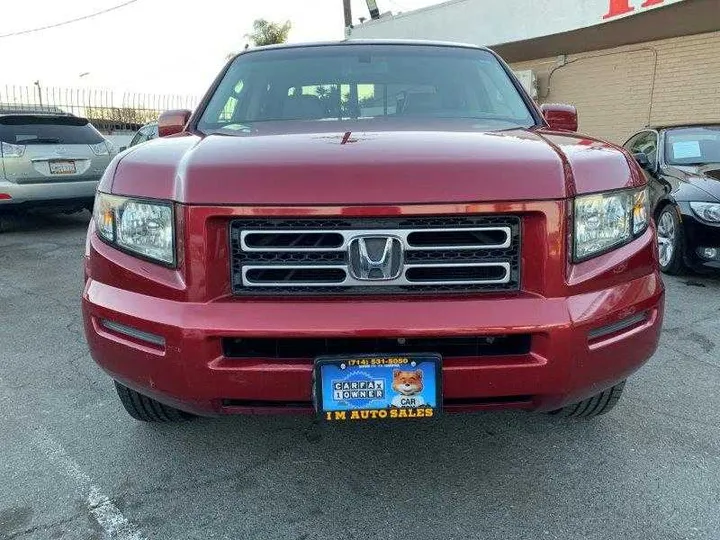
63	23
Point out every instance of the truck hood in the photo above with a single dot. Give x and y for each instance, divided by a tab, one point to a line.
380	166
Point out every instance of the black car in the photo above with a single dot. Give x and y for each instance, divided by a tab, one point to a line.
682	164
146	133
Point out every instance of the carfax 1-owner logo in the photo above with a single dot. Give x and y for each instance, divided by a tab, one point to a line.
369	388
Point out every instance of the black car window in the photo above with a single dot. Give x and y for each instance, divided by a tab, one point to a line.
630	143
138	138
26	129
645	143
144	134
693	145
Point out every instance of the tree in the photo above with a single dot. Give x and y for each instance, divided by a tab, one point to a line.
269	33
120	117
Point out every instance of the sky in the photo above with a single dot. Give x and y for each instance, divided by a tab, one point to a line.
153	46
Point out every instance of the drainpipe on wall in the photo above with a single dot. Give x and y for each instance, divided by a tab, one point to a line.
373	9
651	50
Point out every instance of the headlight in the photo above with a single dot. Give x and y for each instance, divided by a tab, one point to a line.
706	211
11	150
143	227
604	221
641	211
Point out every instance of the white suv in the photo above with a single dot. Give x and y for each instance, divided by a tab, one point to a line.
51	160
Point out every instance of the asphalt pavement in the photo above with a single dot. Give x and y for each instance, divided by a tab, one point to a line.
74	465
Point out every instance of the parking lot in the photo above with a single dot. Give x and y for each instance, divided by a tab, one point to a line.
75	465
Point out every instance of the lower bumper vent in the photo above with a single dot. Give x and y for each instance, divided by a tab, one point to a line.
308	348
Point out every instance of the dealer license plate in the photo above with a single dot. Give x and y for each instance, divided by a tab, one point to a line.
378	387
62	167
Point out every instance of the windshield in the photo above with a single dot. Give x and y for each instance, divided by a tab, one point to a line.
22	129
693	145
335	83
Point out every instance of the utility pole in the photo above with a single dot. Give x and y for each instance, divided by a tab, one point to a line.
348	13
39	90
373	9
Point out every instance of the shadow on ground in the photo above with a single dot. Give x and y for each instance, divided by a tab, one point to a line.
37	221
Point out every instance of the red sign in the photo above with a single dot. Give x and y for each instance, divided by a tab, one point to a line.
622	7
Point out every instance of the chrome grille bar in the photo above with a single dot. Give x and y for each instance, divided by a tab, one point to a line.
345	236
350	281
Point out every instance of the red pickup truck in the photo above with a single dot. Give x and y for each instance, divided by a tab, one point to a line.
371	230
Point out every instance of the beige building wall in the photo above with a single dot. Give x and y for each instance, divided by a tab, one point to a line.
618	91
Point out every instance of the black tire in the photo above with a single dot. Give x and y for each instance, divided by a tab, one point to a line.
593	406
676	264
146	409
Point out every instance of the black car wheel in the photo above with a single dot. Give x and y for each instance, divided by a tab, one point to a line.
146	409
671	241
593	406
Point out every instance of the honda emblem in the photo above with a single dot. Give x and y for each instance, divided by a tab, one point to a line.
375	258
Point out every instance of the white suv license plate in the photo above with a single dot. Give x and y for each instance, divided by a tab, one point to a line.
62	167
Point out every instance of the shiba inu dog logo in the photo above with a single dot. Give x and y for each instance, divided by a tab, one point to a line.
408	385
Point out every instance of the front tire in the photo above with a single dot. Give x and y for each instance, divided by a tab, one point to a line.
147	409
596	405
671	241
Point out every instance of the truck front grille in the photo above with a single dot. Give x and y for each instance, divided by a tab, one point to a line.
377	256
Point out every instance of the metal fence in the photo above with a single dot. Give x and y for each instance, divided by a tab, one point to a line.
110	112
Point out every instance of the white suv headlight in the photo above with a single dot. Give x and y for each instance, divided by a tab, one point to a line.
140	226
11	150
104	148
604	221
706	211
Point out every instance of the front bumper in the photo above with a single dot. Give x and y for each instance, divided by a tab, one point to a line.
576	350
47	192
699	234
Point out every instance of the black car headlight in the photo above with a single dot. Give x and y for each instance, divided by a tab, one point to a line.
142	227
709	212
605	221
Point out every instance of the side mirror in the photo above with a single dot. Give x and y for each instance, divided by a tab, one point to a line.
560	117
172	122
643	161
122	148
